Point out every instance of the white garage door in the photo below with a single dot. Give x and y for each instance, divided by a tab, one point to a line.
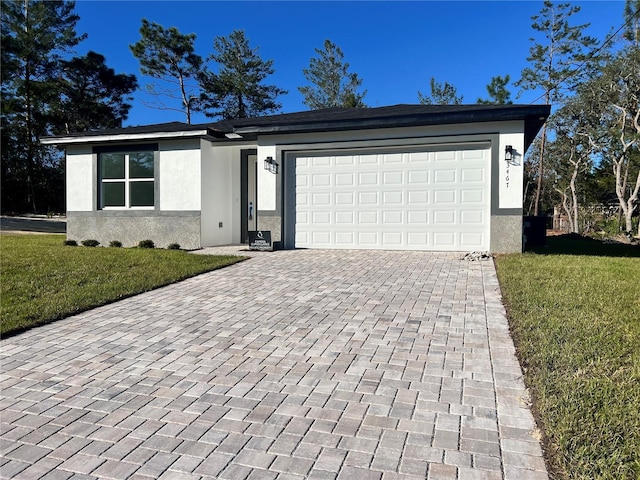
411	200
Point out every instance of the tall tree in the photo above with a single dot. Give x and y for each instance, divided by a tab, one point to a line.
570	159
554	64
632	22
92	95
169	56
441	94
612	100
35	36
238	89
498	92
332	85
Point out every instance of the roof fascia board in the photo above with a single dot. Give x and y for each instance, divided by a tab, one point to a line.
123	137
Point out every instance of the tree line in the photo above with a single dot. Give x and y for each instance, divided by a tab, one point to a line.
586	154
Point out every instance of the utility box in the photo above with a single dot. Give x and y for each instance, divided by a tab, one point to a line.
534	231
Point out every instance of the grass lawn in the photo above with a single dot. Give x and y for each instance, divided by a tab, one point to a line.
574	309
44	280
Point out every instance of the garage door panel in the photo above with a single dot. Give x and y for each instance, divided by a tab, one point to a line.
393	178
417	239
368	218
444	176
471	241
321	218
320	161
302	200
476	196
417	200
367	159
472	175
368	198
417	217
468	155
392	158
302	180
446	156
345	239
302	218
472	217
321	180
418	177
392	198
344	180
368	178
392	239
344	199
417	197
444	217
345	217
444	239
444	197
393	218
368	238
345	160
420	157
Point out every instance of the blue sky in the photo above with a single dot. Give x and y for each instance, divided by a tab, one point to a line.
395	47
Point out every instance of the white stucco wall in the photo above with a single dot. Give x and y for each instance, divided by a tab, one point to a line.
220	194
179	175
266	179
80	179
511	175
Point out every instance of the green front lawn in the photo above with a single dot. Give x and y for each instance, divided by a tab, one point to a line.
574	310
44	280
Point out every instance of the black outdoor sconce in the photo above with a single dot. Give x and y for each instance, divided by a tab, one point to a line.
508	154
271	165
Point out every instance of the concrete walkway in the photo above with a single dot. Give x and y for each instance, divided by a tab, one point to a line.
290	365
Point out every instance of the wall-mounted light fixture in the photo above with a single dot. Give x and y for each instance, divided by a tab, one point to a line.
271	165
508	154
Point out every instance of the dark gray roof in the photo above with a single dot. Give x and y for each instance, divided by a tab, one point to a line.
155	128
418	114
336	119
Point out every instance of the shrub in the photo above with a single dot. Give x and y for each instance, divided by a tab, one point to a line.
146	244
71	243
115	244
90	243
174	246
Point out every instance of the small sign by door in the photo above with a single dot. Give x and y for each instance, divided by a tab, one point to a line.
260	240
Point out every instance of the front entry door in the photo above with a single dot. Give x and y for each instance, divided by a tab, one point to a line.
249	203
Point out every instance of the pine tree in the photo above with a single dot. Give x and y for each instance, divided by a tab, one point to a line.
238	89
169	56
332	84
35	36
92	95
441	94
554	64
498	93
631	16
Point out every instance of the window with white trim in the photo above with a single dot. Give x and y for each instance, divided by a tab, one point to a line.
127	180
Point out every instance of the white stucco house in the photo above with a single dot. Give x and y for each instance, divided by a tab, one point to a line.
405	177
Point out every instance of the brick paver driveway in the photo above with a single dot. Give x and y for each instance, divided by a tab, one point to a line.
294	364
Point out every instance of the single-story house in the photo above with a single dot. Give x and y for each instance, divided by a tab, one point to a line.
404	177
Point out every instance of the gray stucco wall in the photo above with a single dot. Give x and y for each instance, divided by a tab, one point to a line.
272	223
506	234
163	228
